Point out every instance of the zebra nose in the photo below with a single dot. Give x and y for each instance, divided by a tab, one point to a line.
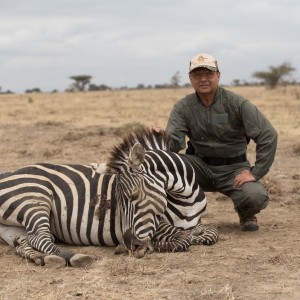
131	241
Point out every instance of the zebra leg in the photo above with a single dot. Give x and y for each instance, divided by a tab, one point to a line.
120	249
43	241
61	259
204	235
81	260
57	257
16	237
169	238
23	249
32	247
8	234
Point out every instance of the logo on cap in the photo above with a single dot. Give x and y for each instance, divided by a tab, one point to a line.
201	58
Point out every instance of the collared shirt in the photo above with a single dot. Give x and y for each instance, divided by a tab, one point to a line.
223	129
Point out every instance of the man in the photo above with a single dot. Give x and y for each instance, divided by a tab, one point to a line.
219	125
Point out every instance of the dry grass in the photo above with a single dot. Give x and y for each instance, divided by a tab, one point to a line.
82	128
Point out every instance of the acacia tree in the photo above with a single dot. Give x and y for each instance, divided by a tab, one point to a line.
175	80
81	81
275	75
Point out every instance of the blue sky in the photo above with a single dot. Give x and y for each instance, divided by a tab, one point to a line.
131	42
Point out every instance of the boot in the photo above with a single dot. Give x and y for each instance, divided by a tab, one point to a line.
248	223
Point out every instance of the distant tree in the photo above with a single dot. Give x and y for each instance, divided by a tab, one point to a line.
186	85
161	86
175	80
34	90
101	87
140	86
275	75
236	82
81	81
8	92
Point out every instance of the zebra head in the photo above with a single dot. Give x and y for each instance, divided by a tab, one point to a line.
142	201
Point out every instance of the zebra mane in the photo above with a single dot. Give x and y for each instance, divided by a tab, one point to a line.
149	139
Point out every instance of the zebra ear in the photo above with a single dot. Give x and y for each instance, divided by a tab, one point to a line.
136	156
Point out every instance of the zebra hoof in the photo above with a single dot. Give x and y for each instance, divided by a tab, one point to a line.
120	249
139	254
81	260
52	261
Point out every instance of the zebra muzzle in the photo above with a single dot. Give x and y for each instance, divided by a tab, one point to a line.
136	246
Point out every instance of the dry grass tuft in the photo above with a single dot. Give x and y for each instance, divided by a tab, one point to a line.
273	186
296	149
210	293
126	128
52	152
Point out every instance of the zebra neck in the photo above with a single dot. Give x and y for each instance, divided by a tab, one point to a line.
107	211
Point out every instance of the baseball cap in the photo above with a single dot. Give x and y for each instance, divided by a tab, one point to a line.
204	60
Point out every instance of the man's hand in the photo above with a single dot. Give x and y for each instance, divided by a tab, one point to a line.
156	129
244	176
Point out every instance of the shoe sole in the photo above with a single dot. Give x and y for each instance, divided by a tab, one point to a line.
250	227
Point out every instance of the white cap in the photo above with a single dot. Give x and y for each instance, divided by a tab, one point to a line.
203	60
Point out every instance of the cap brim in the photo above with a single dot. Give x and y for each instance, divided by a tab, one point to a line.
214	69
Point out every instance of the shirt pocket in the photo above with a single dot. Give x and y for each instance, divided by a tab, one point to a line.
221	128
219	119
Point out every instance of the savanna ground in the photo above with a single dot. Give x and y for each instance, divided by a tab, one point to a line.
81	128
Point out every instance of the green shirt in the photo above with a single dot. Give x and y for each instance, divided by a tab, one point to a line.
223	129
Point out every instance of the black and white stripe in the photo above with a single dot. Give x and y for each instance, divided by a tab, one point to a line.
144	184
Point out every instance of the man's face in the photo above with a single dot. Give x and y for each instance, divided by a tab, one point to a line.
204	81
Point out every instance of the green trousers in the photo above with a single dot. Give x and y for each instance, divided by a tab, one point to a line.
248	200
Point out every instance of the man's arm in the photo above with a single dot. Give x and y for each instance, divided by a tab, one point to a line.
260	130
177	129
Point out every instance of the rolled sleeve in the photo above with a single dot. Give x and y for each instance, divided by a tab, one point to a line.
177	128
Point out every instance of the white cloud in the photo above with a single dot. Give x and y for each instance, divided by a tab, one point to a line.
43	43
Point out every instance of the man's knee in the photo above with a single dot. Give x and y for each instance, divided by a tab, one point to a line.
254	198
260	200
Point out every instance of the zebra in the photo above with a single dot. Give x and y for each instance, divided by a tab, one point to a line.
5	174
146	200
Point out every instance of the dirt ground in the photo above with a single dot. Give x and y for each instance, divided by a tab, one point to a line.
81	128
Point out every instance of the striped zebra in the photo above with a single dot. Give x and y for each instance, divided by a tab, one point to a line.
145	200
